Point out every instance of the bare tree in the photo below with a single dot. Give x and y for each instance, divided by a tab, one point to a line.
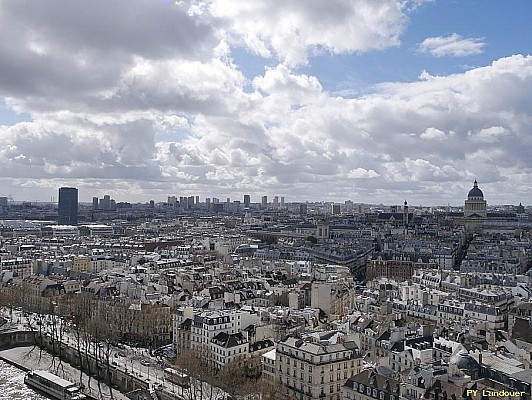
196	363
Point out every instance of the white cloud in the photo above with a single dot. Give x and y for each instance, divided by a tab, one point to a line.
453	46
432	134
287	136
290	30
361	173
491	135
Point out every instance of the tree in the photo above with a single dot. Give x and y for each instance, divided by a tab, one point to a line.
196	363
242	379
234	380
102	335
78	309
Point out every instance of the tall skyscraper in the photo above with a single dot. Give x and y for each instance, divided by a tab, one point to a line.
107	202
264	201
247	200
68	206
95	203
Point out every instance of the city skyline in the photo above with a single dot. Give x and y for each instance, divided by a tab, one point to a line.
369	101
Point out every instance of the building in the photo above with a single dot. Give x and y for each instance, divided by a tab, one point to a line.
199	327
475	205
68	206
369	385
228	347
268	369
314	369
264	201
81	264
247	200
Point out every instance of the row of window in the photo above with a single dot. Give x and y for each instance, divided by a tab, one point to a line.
368	391
322	358
302	364
309	376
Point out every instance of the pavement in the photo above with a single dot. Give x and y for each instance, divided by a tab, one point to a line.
29	358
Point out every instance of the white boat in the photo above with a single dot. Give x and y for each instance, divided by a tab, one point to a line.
177	377
53	385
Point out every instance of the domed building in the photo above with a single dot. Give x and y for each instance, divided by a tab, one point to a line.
465	363
475	206
462	363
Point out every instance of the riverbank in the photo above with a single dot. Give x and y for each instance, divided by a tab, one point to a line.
30	358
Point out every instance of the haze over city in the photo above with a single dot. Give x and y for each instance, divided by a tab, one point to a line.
373	101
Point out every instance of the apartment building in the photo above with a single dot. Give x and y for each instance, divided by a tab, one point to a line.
227	334
310	368
370	385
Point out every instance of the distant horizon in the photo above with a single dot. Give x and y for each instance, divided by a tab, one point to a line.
202	201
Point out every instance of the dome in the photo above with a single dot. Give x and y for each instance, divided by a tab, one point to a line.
464	362
475	192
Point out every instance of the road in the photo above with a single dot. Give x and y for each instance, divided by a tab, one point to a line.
131	360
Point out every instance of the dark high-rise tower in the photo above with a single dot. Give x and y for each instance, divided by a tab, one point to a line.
247	200
68	206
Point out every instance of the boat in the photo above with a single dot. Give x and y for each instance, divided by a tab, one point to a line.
177	377
53	385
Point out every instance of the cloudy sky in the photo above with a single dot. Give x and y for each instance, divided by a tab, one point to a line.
369	100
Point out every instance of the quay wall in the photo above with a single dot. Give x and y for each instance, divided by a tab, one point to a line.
123	380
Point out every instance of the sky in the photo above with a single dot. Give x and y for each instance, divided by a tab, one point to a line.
374	101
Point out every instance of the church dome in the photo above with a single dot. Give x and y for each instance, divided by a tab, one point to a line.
475	192
464	362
